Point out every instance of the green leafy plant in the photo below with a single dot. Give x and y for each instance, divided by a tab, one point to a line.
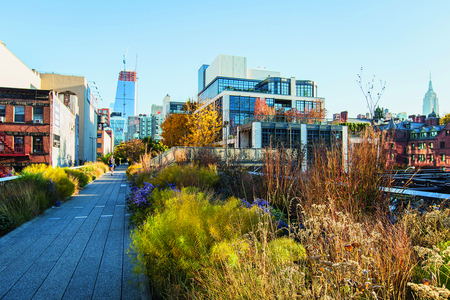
184	176
173	243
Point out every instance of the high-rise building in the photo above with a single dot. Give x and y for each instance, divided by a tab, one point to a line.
132	128
145	126
125	102
430	101
172	107
117	125
233	89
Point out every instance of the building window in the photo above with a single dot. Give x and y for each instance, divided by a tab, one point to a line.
392	146
431	157
2	147
38	145
443	157
447	132
99	145
18	144
99	135
431	145
38	114
19	114
56	141
2	111
422	145
421	157
442	144
433	133
413	146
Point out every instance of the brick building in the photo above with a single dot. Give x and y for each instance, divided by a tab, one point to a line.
35	127
105	142
105	118
419	142
25	127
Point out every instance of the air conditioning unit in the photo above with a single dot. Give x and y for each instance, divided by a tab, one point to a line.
2	119
37	121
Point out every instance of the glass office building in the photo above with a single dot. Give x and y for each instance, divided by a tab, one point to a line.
118	125
233	89
125	101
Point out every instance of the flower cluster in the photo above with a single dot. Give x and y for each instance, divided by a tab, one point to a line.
139	196
261	203
172	186
51	186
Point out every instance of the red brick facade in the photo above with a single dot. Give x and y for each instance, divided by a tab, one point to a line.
33	127
431	152
420	143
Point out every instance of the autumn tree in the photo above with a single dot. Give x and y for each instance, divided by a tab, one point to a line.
262	110
190	106
130	150
310	115
204	125
153	147
175	130
445	119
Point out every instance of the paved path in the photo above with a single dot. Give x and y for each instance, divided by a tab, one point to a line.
76	251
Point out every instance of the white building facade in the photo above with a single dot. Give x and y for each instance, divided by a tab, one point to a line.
232	88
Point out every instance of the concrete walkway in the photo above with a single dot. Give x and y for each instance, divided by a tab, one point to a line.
75	251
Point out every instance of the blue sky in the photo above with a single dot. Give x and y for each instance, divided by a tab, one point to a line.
327	41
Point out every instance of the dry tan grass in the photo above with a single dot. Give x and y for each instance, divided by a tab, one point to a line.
350	258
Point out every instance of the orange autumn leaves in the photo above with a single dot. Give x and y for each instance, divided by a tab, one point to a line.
311	114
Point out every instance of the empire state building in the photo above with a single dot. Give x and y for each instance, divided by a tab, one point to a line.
430	101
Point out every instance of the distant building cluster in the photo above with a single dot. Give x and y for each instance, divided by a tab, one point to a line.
45	117
55	119
419	141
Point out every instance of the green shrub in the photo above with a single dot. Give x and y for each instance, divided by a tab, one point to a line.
172	243
64	188
105	158
6	223
141	177
184	176
24	199
83	179
132	170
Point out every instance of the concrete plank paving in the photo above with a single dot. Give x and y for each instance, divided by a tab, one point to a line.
75	251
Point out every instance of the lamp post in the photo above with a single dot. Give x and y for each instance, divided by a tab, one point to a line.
225	125
95	156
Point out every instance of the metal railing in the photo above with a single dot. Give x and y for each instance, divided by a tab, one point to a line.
183	154
287	119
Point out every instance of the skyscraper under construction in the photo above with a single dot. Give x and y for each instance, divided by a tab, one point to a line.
124	104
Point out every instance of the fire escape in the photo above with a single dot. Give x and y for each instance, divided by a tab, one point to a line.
7	150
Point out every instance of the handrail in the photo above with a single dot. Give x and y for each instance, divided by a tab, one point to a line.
170	156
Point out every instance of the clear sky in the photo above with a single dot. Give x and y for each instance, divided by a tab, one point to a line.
327	41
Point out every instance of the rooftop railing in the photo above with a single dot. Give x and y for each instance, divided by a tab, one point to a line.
287	119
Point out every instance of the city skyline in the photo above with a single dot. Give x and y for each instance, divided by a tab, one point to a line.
400	42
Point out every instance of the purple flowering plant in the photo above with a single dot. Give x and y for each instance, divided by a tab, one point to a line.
140	200
278	215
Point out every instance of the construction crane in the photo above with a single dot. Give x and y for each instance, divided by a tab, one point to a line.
124	80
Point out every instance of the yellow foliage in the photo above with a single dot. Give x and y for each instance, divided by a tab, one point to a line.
175	130
445	119
205	126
